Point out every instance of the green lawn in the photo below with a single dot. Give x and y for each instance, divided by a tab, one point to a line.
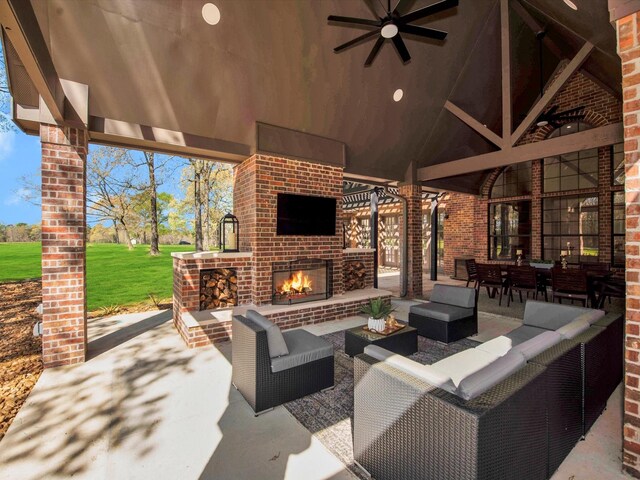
115	275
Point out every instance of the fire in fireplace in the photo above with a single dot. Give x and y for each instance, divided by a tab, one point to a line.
303	280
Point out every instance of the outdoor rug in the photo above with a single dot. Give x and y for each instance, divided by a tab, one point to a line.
328	415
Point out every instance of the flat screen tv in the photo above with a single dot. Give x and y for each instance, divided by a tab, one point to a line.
306	215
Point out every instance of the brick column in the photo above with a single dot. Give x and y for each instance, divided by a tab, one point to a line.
64	319
413	194
628	29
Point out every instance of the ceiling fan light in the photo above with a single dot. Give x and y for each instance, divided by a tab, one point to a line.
389	30
542	123
571	5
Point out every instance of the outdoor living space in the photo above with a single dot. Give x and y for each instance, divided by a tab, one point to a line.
320	239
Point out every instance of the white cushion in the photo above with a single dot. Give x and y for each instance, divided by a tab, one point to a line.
423	372
479	382
463	364
498	346
573	329
538	344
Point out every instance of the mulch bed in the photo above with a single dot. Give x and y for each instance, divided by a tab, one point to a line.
20	351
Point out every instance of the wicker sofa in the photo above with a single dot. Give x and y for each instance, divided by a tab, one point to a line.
508	418
271	368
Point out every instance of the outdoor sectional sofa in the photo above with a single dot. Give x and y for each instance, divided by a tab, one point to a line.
512	407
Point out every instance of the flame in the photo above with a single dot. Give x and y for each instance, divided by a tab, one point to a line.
297	283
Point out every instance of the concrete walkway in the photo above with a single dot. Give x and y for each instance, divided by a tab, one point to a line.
144	406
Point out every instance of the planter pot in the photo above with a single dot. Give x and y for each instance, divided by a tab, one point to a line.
542	265
377	324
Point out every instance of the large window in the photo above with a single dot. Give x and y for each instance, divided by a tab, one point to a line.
618	231
509	229
570	224
617	164
514	181
389	239
572	171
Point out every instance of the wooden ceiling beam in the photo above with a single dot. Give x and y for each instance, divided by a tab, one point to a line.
593	138
21	26
551	92
505	47
475	124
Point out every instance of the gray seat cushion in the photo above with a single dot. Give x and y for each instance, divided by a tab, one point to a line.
552	316
440	311
538	344
304	347
453	295
275	340
524	333
479	382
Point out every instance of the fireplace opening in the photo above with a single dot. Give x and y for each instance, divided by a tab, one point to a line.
299	281
218	288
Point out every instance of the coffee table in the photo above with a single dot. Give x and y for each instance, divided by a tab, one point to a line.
403	342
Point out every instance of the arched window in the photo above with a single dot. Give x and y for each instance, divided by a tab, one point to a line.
514	181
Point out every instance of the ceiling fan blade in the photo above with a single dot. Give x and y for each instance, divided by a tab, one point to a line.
352	20
570	111
551	111
401	48
423	32
430	10
374	52
400	6
569	119
355	40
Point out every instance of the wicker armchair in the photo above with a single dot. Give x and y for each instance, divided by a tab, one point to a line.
405	428
252	373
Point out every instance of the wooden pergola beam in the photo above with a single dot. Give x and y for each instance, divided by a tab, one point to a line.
473	123
505	46
593	138
551	92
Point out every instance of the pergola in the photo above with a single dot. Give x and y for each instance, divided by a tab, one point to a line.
265	80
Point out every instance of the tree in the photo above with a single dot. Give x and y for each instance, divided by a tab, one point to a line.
6	123
109	189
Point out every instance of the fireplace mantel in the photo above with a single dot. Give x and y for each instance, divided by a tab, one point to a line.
207	255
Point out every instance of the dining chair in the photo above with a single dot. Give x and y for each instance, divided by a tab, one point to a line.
524	279
570	283
472	272
490	277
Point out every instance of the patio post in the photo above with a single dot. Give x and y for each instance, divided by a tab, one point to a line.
413	195
628	29
64	318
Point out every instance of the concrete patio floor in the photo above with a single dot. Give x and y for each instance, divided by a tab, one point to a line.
144	406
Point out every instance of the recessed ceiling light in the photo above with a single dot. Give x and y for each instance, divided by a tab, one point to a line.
210	13
570	4
389	30
542	123
568	127
397	95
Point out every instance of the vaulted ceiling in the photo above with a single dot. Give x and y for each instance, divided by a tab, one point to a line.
158	63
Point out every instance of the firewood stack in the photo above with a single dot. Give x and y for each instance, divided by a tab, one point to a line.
354	275
218	288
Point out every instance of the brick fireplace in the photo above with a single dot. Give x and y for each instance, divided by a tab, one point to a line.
266	259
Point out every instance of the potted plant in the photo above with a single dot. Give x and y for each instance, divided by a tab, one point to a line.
377	309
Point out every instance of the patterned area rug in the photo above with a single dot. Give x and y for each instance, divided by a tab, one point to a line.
328	415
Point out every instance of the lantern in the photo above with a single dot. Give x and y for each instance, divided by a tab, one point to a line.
229	230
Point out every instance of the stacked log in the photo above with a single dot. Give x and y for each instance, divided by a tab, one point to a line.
218	288
354	275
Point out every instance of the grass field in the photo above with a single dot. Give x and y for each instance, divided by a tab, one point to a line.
115	275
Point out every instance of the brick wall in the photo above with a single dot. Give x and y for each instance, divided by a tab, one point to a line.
466	229
258	180
628	29
64	320
413	195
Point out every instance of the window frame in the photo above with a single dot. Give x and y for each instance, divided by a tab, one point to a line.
490	236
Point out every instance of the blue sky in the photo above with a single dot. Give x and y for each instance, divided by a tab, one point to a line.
19	156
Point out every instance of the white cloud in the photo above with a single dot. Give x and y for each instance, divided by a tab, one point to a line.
18	196
7	141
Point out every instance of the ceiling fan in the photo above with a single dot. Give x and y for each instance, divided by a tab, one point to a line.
390	26
552	116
